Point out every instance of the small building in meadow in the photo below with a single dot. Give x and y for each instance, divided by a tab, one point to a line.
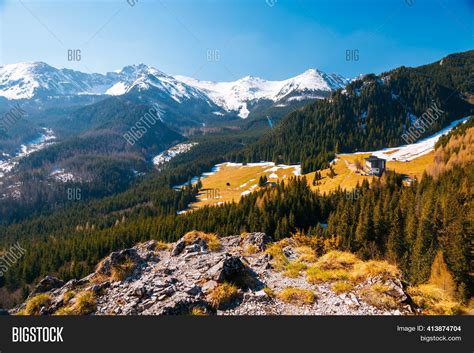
375	165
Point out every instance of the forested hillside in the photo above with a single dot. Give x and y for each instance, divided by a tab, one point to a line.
406	225
371	113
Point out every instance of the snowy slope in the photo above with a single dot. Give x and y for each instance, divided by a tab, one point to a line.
412	151
40	80
235	95
27	80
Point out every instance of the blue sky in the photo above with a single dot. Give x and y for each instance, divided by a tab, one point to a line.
273	39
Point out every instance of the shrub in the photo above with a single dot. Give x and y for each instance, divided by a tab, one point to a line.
342	287
223	295
297	296
33	306
211	239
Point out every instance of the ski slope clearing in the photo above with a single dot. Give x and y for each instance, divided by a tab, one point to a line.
415	150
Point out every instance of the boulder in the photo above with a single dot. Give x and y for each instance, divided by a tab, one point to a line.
178	248
259	240
117	258
47	284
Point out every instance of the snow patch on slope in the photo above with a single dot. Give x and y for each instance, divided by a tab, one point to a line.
172	152
415	150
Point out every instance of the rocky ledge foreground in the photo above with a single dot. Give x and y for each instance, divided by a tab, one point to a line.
237	275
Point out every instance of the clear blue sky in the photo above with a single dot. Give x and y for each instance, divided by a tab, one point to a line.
273	39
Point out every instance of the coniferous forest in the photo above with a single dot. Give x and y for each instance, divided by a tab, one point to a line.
405	224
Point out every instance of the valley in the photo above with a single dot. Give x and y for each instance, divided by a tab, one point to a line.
228	182
250	156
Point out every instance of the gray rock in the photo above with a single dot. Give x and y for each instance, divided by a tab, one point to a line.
47	284
178	248
260	240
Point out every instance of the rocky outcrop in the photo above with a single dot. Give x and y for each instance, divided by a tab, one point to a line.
47	284
184	279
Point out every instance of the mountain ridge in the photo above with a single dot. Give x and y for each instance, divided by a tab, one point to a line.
30	80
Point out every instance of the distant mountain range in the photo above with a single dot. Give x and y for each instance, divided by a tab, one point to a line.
42	82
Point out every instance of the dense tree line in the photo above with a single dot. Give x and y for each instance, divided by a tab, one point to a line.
406	225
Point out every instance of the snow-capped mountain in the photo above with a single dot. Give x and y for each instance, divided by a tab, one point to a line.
236	95
36	79
40	80
141	78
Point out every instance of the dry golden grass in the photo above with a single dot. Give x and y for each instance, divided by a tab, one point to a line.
373	268
335	260
33	305
294	269
223	295
240	178
279	260
249	249
211	239
84	304
68	296
375	295
342	287
198	311
161	246
347	179
123	270
270	292
297	296
414	168
433	300
314	274
306	254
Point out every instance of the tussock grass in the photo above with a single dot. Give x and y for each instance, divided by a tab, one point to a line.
314	274
374	268
33	305
84	304
342	287
123	270
297	296
161	246
223	295
198	311
250	249
433	300
335	260
293	269
279	260
306	254
270	292
68	296
211	239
